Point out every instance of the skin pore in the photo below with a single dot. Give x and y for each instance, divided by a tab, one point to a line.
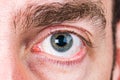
25	24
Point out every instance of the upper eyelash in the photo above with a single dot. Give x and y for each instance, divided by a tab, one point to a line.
89	43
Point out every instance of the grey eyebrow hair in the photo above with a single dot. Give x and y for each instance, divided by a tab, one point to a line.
55	13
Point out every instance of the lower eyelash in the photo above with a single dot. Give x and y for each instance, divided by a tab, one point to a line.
63	62
60	63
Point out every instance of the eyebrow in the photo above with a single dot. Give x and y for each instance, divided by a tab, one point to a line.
35	15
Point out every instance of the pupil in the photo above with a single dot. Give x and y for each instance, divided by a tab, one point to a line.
61	40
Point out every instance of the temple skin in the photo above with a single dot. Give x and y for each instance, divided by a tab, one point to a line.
14	63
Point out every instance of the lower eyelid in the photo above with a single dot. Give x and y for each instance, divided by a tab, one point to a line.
62	61
37	50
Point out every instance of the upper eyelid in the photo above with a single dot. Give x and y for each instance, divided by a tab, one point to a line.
82	33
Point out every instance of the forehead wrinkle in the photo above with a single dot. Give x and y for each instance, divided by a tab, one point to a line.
43	15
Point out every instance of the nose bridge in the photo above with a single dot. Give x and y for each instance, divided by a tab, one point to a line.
6	63
11	67
6	53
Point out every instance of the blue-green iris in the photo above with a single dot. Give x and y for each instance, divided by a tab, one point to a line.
61	42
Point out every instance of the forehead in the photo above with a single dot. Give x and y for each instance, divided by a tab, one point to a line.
14	4
23	2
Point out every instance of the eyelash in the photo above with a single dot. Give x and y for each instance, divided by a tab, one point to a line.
63	28
87	42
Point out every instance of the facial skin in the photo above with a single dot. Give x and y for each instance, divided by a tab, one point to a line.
116	27
117	60
24	24
117	63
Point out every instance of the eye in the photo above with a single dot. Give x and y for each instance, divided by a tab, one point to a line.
62	43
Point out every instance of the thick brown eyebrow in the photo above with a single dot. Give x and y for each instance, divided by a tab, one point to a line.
43	15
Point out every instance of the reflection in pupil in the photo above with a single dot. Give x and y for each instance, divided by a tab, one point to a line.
61	41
